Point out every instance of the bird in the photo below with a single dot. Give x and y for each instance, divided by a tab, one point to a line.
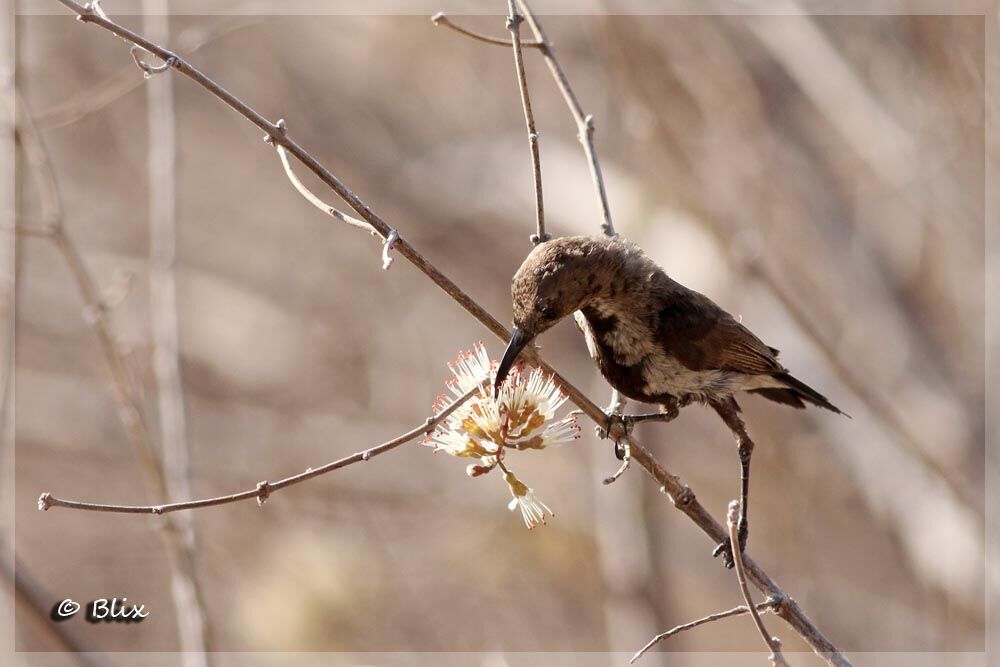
654	340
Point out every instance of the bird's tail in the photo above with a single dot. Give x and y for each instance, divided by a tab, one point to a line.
796	393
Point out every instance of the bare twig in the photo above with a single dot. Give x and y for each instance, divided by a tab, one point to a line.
683	498
584	122
777	659
192	621
442	19
263	490
316	201
735	611
514	25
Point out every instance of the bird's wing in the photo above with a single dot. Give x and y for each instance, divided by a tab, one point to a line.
702	336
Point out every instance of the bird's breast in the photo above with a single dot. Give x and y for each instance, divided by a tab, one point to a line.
633	361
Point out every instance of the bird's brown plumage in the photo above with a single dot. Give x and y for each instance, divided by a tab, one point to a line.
652	338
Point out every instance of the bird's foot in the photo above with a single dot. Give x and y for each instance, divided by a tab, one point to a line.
618	428
725	548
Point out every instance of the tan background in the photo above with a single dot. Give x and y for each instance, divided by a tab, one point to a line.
842	156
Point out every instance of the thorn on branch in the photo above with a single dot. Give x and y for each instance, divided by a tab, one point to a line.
390	241
263	493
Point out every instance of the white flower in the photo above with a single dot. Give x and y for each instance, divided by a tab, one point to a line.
520	419
533	510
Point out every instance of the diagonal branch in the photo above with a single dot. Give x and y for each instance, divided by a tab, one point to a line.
514	25
683	498
264	489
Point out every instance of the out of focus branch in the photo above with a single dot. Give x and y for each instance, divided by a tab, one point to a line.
124	389
514	25
777	659
853	376
192	622
263	490
124	81
682	496
30	596
584	122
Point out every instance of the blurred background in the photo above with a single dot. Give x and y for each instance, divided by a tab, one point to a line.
821	177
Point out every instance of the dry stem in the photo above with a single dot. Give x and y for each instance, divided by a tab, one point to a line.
777	659
442	19
584	122
514	25
735	611
263	490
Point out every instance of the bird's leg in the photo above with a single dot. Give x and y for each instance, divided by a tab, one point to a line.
614	418
729	410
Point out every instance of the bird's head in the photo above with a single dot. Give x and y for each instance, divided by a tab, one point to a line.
557	278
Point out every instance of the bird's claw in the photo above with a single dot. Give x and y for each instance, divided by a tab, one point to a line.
619	429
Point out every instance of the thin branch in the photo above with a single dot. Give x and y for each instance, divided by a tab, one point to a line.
584	122
777	659
313	199
682	496
514	25
263	490
442	19
735	611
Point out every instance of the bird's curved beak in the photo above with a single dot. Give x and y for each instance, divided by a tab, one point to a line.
518	340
